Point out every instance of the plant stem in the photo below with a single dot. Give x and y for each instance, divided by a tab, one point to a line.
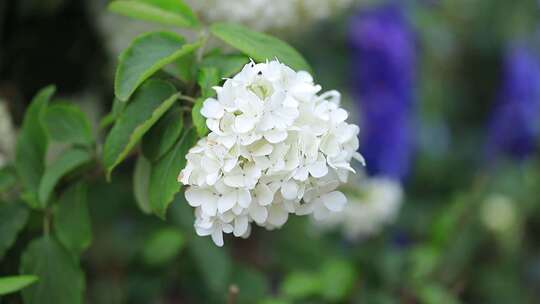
233	294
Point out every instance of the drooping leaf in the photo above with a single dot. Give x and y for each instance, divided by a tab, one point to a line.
198	120
8	178
141	180
13	217
163	135
67	123
168	12
163	178
61	280
72	220
146	55
66	162
15	283
118	107
32	146
259	46
152	100
163	246
227	64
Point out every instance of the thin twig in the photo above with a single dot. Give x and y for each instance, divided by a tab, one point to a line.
233	294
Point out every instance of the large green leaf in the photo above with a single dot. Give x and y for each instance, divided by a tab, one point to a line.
66	162
72	220
163	135
141	179
32	145
198	120
67	123
227	64
61	280
208	78
146	55
259	46
13	217
15	283
152	100
163	178
168	12
8	178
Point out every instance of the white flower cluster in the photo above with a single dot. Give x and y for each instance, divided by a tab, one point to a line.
275	147
373	203
7	135
265	15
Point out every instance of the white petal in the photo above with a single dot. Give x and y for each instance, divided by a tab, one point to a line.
209	207
240	225
197	196
258	213
217	237
212	109
277	216
289	190
275	136
244	198
318	169
264	195
335	201
234	180
226	201
244	123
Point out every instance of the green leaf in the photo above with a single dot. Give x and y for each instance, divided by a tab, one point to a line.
168	12
253	285
227	64
207	79
61	280
13	217
213	262
32	146
299	285
259	46
163	135
152	100
141	179
72	220
66	162
198	120
67	123
338	278
163	246
163	178
8	178
15	283
146	55
118	107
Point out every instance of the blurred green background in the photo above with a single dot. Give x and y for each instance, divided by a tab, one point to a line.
468	230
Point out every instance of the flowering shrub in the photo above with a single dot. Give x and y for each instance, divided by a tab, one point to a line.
275	147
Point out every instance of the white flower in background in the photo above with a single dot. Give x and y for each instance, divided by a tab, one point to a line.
7	135
498	213
265	15
275	148
373	203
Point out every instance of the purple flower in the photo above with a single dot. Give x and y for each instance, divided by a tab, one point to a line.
383	63
513	128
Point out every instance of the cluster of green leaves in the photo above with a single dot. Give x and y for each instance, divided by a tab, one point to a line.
160	85
54	155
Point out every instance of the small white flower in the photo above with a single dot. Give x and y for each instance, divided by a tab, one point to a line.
7	135
275	148
374	202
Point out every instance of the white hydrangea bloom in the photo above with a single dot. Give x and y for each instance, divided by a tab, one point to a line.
276	147
265	15
373	203
7	135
